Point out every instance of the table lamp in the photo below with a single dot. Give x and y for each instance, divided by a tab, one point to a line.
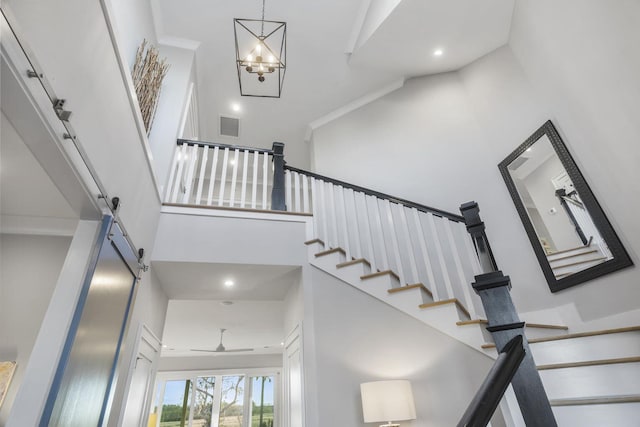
387	401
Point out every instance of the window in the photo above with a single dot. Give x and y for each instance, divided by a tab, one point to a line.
262	401
217	399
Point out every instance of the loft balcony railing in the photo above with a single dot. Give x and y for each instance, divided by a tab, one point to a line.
443	251
421	244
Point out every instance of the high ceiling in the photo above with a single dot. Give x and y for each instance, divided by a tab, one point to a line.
252	309
338	52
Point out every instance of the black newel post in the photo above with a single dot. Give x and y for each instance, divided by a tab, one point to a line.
504	324
277	193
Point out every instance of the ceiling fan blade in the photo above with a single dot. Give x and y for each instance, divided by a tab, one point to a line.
236	350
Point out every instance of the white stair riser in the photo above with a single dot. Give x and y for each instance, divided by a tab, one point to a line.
533	333
476	331
578	258
612	414
328	262
590	381
353	273
314	248
599	347
576	251
442	314
574	268
379	286
409	299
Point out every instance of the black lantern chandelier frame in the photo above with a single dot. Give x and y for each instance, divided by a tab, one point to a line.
263	59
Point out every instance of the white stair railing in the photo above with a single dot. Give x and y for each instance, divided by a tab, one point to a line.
210	174
418	243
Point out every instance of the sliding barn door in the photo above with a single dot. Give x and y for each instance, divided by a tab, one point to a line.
83	384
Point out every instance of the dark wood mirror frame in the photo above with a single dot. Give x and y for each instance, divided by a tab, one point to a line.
620	258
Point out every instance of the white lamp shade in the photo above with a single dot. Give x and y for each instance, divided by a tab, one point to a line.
387	401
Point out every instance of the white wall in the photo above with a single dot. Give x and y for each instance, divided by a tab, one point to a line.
420	142
359	338
171	106
134	22
71	42
441	137
219	362
195	238
29	269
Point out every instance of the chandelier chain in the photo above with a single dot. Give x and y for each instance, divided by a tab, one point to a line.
262	23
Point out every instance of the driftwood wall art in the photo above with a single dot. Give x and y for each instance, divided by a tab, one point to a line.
148	72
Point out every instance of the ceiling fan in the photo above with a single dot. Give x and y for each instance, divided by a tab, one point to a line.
221	348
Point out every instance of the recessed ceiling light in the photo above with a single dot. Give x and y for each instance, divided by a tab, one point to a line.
438	52
229	283
164	346
529	150
235	107
281	343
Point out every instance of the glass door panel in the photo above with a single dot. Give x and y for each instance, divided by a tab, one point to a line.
175	405
203	403
232	401
262	401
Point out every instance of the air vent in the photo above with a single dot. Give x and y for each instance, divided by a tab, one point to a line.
229	126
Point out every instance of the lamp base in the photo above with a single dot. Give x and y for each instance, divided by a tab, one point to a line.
389	424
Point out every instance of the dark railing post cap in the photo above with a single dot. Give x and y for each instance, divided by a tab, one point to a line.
278	147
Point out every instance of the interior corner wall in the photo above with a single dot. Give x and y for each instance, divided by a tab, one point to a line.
172	104
359	338
71	42
29	270
134	21
438	141
420	143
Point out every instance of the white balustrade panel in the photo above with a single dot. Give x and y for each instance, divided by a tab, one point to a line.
209	175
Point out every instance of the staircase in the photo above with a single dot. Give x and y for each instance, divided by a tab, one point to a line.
569	261
420	260
592	378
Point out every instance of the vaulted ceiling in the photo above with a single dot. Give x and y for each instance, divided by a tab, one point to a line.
340	54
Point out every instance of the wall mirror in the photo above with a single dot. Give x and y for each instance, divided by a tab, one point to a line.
571	236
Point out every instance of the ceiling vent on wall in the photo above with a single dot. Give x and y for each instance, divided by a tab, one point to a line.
229	126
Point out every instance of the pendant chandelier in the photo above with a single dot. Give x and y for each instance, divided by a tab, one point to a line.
261	52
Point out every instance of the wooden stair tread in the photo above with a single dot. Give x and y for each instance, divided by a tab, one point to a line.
570	249
602	400
578	263
575	335
447	301
473	322
378	274
353	262
529	325
329	251
407	287
599	362
545	326
311	242
585	334
592	251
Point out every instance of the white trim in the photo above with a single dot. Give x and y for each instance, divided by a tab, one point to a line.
353	105
357	27
224	213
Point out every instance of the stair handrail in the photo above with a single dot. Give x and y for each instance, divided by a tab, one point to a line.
488	396
422	208
182	141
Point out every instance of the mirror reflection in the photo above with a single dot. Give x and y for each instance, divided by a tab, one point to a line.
564	228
